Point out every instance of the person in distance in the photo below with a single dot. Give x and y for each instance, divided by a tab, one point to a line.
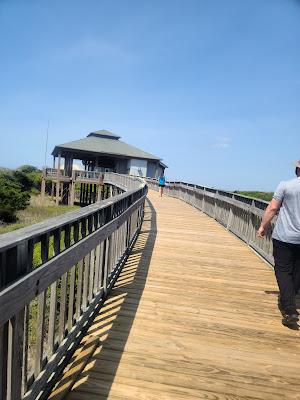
161	183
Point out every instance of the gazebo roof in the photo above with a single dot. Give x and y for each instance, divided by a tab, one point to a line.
103	133
103	143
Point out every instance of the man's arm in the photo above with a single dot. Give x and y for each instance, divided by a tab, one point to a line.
269	214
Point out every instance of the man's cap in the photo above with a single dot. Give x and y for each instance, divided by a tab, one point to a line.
297	164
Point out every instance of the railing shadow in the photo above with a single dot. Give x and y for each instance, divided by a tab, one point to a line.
112	325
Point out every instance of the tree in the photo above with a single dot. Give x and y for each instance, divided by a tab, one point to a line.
24	180
28	169
29	177
12	198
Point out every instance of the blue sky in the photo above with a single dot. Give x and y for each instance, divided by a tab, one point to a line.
211	86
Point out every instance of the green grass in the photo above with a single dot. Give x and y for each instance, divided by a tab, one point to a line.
37	211
267	196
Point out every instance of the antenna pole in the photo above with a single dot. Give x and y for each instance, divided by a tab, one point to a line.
46	147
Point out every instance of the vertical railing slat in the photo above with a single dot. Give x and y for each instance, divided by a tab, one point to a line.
85	282
40	328
14	364
53	299
3	360
79	289
62	307
71	298
91	276
16	351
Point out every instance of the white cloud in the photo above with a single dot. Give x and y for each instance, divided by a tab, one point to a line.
222	143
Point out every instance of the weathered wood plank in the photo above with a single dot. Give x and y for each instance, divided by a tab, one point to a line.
63	307
71	298
79	290
40	330
3	360
53	298
86	274
15	357
91	276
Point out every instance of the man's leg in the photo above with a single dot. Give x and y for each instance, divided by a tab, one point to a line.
284	267
296	274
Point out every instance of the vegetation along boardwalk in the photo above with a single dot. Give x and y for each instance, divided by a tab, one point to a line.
193	315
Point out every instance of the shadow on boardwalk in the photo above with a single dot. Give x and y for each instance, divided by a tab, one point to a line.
111	327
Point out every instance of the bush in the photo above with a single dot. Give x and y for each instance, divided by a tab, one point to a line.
28	169
15	189
23	180
29	175
12	198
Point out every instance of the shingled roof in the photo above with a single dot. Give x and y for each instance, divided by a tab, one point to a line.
104	142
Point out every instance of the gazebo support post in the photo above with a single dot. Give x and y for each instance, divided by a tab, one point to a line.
52	182
58	181
72	190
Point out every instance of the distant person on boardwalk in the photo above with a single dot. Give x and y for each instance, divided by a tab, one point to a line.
161	183
286	244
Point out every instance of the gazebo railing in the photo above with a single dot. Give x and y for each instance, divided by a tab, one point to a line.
239	214
54	276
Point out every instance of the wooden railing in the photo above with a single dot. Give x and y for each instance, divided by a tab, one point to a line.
88	175
52	172
54	277
241	215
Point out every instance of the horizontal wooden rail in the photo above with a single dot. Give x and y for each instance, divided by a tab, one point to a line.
239	214
53	277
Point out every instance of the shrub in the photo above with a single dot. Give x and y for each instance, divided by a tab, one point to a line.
28	169
12	198
30	173
23	180
15	189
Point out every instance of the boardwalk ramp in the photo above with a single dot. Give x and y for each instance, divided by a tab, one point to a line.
193	315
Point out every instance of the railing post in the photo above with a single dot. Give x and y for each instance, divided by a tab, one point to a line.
251	227
230	216
203	201
215	204
16	348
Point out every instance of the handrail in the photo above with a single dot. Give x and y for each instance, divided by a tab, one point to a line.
53	276
239	214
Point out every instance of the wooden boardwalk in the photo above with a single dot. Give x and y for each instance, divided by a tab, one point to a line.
193	315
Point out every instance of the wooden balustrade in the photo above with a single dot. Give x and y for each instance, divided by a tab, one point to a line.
54	276
93	185
239	214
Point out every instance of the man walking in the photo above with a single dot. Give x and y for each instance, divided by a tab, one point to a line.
286	244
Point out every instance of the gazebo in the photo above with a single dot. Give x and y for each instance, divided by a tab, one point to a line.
100	151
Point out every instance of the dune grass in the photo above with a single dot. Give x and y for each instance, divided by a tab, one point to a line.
267	196
37	211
